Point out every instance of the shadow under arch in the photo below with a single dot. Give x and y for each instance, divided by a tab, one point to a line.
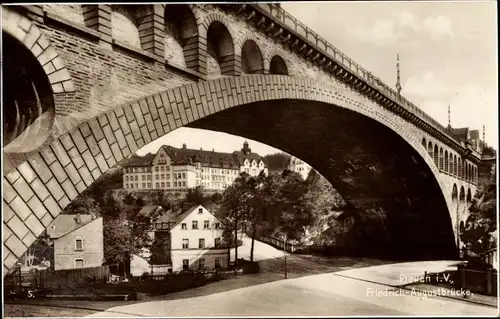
372	167
28	101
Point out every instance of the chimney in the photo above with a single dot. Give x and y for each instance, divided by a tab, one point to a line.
184	146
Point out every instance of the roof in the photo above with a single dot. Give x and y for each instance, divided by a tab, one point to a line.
64	224
183	156
177	216
474	134
148	210
140	161
461	132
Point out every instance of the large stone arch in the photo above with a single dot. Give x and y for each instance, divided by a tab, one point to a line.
34	76
40	188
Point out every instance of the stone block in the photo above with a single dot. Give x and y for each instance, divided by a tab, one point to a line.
39	188
47	219
108	132
72	173
20	208
38	164
55	189
17	226
34	225
60	153
48	155
52	206
113	121
96	173
115	148
63	202
16	246
85	130
80	187
37	207
13	176
76	158
101	162
7	212
29	239
105	150
89	160
86	176
92	144
8	192
79	141
23	189
69	189
96	129
58	172
27	172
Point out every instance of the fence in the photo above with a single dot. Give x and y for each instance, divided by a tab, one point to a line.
21	281
478	281
278	243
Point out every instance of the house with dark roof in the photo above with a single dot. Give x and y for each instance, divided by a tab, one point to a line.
77	241
194	238
179	169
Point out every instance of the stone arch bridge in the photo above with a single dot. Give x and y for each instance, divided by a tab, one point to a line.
87	85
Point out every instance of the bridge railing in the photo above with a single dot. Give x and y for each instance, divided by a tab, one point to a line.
319	42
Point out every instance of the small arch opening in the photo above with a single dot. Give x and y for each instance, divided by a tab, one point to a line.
181	36
446	162
251	58
220	49
278	66
124	24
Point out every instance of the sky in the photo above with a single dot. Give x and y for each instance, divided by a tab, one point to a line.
448	58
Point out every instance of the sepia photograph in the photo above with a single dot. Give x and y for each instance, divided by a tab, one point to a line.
306	159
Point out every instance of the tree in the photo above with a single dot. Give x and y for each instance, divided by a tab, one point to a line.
233	210
196	196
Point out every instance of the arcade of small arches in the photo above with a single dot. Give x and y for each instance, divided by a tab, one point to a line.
451	164
185	36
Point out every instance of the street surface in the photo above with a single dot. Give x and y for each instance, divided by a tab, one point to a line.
347	292
316	286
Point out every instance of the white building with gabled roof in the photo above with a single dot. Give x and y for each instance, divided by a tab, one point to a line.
195	239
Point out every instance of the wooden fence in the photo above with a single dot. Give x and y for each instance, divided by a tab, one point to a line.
50	279
278	243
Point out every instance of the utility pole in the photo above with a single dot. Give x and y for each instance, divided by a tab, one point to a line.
286	275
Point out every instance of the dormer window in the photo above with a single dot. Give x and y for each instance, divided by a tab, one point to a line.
200	210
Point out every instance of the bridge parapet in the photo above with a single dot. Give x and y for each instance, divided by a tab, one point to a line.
326	52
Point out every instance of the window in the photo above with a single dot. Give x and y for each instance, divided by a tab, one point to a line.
183	183
162	168
175	184
185	243
79	244
185	264
157	185
156	169
217	225
195	224
78	263
143	185
206	224
201	263
184	226
217	263
200	210
168	184
136	177
126	178
201	243
217	242
183	175
149	185
143	177
162	184
162	176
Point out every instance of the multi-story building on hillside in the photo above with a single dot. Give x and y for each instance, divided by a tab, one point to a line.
299	166
191	239
179	169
